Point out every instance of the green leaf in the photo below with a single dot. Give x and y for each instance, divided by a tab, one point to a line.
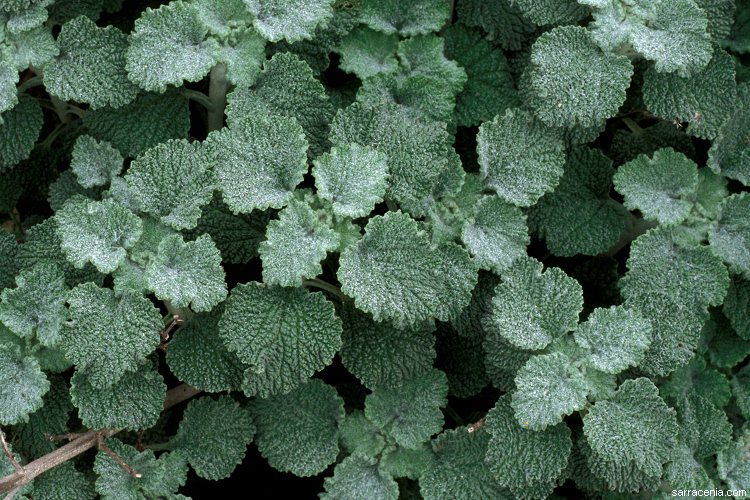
724	347
424	55
172	180
286	87
29	46
634	425
530	309
458	470
197	355
405	17
259	161
546	12
550	387
149	120
109	334
462	359
733	466
64	481
409	410
403	462
168	46
418	151
222	17
740	384
133	402
214	434
616	337
730	236
720	17
360	477
91	65
51	418
8	80
99	232
394	273
519	159
22	385
574	83
503	21
295	245
188	273
19	130
357	435
696	378
703	427
489	89
729	152
737	305
95	163
704	100
242	53
381	353
292	20
298	431
496	234
365	52
159	478
352	178
284	334
36	307
520	457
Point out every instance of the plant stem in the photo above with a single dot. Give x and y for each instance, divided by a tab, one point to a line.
634	227
633	126
217	94
318	283
198	97
31	82
455	416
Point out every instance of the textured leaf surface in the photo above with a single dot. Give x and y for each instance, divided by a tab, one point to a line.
9	264
259	161
732	464
171	181
737	305
22	385
64	481
730	236
188	273
242	54
214	433
661	187
360	478
36	307
295	244
531	308
500	19
133	402
578	216
519	159
95	163
19	130
409	410
168	46
298	431
284	334
51	418
91	65
572	82
357	435
109	334
520	457
703	100
394	273
730	154
198	356
543	12
149	120
366	52
352	178
405	17
697	378
616	337
380	353
634	425
99	232
292	20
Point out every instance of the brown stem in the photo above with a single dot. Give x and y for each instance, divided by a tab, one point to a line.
114	456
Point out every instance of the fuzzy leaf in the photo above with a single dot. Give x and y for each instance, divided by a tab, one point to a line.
737	305
292	20
635	424
64	481
358	435
298	431
503	21
405	17
730	236
284	334
22	385
91	65
530	309
99	232
51	418
109	334
519	159
168	46
36	307
704	100
573	82
360	478
733	466
260	160
352	178
214	434
172	180
95	163
222	17
242	53
19	130
409	410
730	153
133	402
696	378
365	52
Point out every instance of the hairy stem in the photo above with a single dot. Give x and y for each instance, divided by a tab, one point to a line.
323	285
633	126
217	94
634	227
34	81
198	97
